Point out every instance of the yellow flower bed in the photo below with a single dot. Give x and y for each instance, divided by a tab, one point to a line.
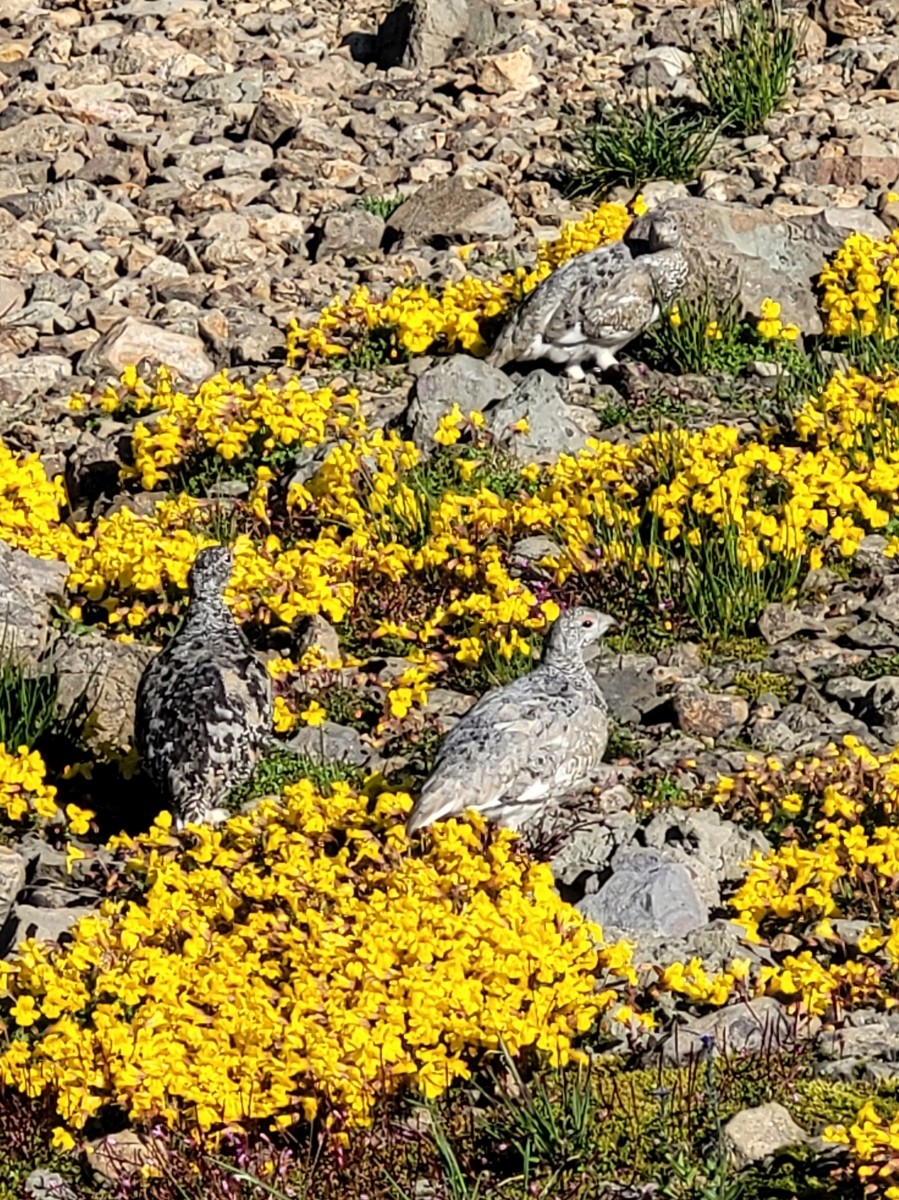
364	523
873	1143
861	287
301	954
31	507
418	319
28	801
24	792
224	416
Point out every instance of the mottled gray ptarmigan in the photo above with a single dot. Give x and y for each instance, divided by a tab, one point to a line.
526	744
204	704
594	304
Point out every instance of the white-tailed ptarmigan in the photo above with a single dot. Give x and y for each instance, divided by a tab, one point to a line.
204	704
594	304
528	743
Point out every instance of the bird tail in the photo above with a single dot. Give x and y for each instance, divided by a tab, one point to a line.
503	351
434	804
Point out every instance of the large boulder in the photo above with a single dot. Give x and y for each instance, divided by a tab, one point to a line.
461	379
106	673
133	340
649	894
759	253
537	424
421	34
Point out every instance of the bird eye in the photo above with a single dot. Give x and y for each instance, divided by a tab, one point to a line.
587	622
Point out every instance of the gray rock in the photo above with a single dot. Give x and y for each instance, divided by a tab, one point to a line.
761	251
48	1185
427	33
874	634
630	690
745	1027
758	1133
716	944
42	924
647	894
12	297
352	233
330	742
721	846
449	208
705	714
446	706
870	554
106	673
884	605
94	463
29	588
848	690
12	879
533	549
554	427
585	851
876	1041
133	340
781	621
320	635
117	1157
881	704
461	379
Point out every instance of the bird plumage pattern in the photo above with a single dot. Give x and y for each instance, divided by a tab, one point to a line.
528	743
594	304
204	704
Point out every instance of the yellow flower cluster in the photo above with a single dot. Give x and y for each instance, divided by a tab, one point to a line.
873	1142
837	857
418	320
770	325
24	792
31	508
223	416
365	521
861	287
302	954
26	797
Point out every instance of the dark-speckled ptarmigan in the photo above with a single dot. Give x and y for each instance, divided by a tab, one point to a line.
204	704
594	304
524	745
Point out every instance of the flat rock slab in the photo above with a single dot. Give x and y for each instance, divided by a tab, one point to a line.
758	253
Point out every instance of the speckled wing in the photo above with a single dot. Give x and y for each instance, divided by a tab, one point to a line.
620	310
555	308
516	748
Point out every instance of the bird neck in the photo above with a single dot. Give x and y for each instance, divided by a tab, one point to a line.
668	269
570	665
208	615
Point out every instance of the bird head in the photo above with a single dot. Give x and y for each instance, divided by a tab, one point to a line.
575	630
664	231
210	573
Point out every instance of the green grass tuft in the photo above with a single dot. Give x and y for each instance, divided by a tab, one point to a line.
633	144
281	768
382	206
746	74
